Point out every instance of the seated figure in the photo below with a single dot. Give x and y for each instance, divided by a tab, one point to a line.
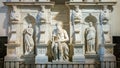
59	47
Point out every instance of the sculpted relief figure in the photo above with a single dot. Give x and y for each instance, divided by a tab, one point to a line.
106	26
14	15
106	31
106	13
28	39
41	15
59	46
77	25
91	33
40	29
14	18
77	15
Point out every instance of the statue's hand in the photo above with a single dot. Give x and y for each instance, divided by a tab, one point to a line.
56	41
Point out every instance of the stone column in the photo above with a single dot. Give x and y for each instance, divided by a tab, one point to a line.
77	34
106	51
13	38
43	34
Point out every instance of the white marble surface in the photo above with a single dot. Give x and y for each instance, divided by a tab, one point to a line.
28	0
44	0
76	0
108	0
90	0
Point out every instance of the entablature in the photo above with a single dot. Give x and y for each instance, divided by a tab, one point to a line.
90	3
28	3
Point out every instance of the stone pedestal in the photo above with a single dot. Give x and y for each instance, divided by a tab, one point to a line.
41	53
29	59
10	60
11	52
109	49
108	61
107	56
91	58
78	55
91	53
109	52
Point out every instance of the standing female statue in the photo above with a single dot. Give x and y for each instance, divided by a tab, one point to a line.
91	34
28	39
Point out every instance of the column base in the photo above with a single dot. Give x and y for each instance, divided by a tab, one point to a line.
29	59
79	59
41	59
78	53
41	56
11	58
109	58
92	52
108	61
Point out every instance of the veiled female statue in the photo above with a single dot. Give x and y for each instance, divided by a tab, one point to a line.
28	39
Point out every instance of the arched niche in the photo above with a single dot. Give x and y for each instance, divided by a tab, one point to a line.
94	20
91	18
29	19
